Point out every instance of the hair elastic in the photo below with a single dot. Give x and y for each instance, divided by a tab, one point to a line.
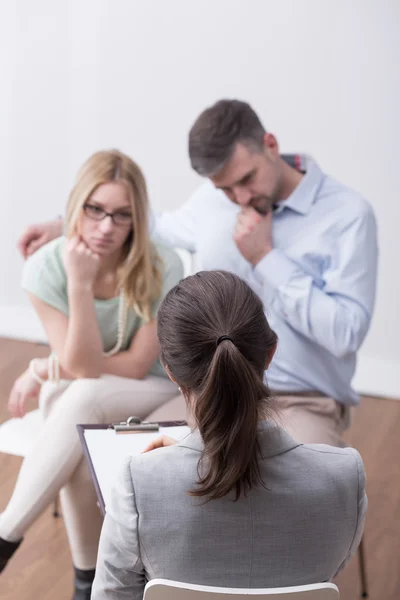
222	338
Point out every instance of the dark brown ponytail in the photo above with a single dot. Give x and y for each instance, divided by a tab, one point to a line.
215	340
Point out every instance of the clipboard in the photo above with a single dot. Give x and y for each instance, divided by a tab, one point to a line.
104	447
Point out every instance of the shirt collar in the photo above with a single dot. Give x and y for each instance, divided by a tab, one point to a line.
273	440
304	195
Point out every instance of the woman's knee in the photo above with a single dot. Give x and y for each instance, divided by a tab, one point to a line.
82	399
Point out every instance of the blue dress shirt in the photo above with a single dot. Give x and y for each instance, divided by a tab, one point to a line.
317	284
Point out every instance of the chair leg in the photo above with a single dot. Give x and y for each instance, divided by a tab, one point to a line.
56	512
363	572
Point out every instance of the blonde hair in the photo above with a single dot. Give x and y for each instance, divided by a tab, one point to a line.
139	272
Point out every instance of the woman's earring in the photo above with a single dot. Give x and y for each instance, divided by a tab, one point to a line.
180	389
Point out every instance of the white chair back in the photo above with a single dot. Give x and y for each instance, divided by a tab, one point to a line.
163	589
189	261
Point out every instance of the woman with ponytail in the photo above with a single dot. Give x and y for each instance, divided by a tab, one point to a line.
238	502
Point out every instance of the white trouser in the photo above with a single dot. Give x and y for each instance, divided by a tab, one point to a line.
56	461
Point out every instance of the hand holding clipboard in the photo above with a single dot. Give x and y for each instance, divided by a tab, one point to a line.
104	448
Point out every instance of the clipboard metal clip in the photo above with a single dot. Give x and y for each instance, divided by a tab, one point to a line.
135	424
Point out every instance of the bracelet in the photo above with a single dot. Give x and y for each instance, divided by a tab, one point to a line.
34	373
50	368
53	368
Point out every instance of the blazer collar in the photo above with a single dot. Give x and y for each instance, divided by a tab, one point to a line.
273	440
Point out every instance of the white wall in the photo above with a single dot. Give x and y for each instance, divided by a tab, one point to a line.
79	75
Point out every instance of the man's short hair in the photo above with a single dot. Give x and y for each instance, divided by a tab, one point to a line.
215	133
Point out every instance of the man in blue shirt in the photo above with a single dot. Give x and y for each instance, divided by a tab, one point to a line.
304	242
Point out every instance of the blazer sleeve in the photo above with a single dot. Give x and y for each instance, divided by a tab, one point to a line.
120	572
362	505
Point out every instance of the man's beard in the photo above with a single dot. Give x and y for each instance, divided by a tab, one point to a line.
263	204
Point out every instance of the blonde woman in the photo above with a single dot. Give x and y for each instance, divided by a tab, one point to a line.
96	292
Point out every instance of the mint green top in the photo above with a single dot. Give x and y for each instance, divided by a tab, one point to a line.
44	276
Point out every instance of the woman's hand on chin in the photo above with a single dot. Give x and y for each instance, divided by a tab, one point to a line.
81	263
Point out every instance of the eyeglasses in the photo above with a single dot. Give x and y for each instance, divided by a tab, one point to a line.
119	217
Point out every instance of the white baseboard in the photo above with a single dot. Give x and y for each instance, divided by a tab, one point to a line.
374	376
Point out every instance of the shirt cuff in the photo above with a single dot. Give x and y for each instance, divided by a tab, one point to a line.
275	269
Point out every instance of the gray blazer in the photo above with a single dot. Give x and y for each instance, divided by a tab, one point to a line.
302	528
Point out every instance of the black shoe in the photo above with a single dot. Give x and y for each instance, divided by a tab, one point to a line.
7	549
83	584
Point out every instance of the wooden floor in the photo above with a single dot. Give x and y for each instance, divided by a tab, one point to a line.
41	569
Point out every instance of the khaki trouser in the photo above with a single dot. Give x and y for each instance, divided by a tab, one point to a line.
311	420
56	461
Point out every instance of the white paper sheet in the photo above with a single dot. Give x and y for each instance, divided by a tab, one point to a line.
18	435
107	450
